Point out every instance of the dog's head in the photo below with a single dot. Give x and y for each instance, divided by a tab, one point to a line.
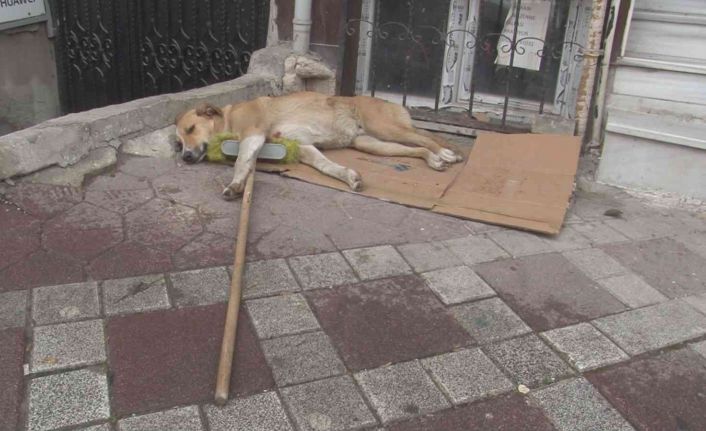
194	128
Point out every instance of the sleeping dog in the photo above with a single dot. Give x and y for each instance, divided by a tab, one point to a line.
318	122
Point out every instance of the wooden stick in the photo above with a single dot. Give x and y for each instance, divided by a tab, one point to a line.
225	364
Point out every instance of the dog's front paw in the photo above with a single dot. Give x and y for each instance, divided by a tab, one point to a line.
355	181
233	190
437	163
449	156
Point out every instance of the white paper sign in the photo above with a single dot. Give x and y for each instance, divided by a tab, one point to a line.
534	19
13	10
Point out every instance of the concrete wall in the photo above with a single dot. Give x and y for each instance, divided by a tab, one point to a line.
29	93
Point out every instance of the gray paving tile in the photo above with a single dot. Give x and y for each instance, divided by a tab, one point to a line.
178	419
467	375
13	308
568	239
584	346
575	405
134	295
700	348
639	228
54	304
322	270
695	241
457	284
477	227
301	358
262	412
632	291
697	301
599	233
401	391
68	399
475	249
520	243
200	287
101	427
653	327
281	315
595	263
67	345
267	277
528	361
377	262
489	320
428	256
332	404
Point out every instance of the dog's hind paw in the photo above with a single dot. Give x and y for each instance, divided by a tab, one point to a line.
355	181
437	163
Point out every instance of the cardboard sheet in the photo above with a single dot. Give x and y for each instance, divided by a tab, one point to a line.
522	181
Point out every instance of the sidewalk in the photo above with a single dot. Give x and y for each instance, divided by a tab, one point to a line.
358	314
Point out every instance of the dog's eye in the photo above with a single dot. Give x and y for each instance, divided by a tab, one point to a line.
178	146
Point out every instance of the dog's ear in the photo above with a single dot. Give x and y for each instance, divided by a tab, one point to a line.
208	110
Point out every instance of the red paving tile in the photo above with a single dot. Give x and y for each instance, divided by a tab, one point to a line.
19	234
204	251
11	381
167	358
663	392
43	201
665	264
40	269
383	321
547	291
506	413
129	259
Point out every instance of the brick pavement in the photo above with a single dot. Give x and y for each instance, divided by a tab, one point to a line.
358	314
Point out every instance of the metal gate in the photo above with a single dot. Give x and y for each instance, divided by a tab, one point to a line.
112	51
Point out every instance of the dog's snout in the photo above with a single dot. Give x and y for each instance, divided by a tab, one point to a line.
189	157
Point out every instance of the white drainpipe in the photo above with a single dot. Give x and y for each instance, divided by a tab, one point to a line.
301	26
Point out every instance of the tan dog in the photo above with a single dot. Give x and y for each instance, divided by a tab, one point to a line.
318	122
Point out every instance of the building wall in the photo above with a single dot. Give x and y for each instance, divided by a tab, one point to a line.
28	85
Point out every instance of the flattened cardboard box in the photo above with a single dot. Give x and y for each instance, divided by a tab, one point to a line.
523	181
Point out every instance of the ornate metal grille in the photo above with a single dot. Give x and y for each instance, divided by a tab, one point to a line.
112	51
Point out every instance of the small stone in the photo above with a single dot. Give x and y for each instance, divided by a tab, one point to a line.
134	295
377	262
523	389
64	303
67	345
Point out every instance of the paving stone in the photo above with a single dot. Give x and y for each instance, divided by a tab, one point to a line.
67	345
640	228
333	404
281	315
654	327
699	347
267	277
322	270
584	346
67	399
568	238
457	284
262	412
377	262
117	181
167	358
56	269
179	419
162	224
54	304
12	349
135	295
102	427
285	241
428	256
478	227
659	392
401	391
599	233
595	263
20	234
528	361
632	290
200	287
129	259
386	321
119	201
42	200
665	264
467	375
474	249
300	358
697	301
206	250
489	320
520	243
575	405
547	291
694	241
509	412
13	309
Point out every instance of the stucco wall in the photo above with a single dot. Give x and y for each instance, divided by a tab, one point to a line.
28	85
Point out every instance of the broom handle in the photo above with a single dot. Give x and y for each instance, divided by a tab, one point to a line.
225	364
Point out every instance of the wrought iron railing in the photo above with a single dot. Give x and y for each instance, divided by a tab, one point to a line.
568	50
